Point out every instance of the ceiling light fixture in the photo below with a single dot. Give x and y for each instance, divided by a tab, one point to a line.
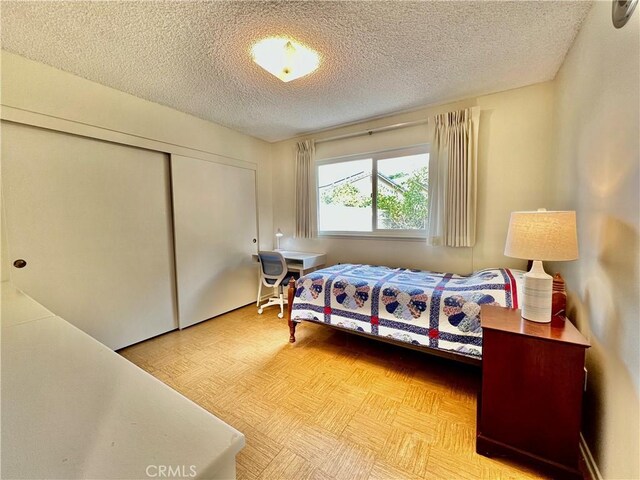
285	58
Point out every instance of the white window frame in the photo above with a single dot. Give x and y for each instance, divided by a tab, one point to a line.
375	157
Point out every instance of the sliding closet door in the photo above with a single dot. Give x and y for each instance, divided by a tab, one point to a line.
215	235
92	220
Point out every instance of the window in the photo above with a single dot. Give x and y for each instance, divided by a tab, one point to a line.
379	194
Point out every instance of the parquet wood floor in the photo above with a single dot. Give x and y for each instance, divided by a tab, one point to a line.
330	406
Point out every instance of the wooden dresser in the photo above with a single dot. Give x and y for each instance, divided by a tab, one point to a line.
530	404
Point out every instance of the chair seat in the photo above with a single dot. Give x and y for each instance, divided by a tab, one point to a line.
285	280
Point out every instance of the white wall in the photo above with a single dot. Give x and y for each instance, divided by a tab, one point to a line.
571	143
29	86
597	172
514	151
4	254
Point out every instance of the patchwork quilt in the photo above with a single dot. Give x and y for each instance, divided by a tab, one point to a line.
435	310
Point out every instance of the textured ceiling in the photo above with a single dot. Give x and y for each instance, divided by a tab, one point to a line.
377	57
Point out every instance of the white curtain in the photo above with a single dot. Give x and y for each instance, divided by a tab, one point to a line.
453	162
306	209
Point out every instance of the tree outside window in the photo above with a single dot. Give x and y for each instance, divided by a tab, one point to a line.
400	205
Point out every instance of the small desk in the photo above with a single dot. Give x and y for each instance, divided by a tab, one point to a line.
301	261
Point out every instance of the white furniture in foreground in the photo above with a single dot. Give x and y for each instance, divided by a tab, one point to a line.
72	408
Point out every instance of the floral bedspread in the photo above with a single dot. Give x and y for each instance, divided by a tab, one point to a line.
436	310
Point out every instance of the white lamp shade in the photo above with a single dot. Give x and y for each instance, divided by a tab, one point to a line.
542	235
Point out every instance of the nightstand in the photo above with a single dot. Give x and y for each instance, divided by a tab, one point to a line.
530	404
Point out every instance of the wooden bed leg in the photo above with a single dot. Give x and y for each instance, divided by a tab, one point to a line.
292	325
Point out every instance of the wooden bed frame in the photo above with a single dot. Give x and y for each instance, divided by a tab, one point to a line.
432	351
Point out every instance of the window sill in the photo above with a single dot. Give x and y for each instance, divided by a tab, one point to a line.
374	236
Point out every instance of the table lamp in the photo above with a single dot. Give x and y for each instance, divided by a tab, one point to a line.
279	235
539	236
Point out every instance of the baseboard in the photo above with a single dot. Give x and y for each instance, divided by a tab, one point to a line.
589	460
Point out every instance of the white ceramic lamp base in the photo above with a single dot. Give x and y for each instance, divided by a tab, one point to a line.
538	285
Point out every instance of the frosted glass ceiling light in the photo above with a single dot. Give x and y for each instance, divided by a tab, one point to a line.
285	58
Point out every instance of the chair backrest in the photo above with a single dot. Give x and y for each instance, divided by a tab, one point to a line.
273	267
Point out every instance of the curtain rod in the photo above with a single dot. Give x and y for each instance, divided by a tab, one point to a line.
371	131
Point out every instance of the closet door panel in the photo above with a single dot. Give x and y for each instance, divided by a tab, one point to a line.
92	219
215	227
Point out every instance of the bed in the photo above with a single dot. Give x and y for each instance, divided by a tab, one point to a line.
428	311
